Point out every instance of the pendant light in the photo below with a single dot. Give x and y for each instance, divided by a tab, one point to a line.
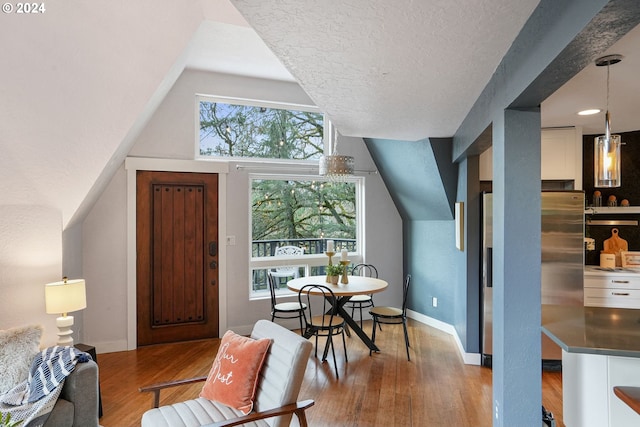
606	157
334	166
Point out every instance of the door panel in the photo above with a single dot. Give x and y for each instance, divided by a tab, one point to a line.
177	274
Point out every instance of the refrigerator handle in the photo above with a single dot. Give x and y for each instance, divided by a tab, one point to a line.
489	267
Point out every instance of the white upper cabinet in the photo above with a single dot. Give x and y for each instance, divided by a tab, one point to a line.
561	152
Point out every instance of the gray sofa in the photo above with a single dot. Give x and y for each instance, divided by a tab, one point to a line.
77	405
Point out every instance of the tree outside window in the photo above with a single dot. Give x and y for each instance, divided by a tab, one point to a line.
300	211
288	210
233	130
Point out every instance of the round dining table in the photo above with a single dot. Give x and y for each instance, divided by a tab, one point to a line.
358	285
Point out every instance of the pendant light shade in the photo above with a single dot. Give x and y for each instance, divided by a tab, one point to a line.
335	166
606	153
607	160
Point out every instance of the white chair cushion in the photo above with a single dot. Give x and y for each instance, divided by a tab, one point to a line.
360	298
289	306
192	413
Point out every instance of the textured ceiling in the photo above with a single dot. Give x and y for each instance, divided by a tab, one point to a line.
401	70
81	80
74	83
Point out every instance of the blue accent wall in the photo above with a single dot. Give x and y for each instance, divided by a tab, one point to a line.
424	182
419	175
430	258
559	40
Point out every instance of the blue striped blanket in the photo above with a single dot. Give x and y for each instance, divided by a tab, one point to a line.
32	400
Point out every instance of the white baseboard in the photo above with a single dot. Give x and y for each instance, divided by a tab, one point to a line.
467	358
109	346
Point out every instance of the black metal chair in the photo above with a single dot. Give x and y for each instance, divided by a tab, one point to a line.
362	301
321	320
393	315
284	310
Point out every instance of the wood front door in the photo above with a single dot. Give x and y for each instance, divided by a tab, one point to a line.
177	256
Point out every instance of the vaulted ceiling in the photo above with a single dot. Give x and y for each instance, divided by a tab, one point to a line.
80	80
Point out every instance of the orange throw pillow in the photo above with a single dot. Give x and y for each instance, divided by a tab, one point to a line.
233	377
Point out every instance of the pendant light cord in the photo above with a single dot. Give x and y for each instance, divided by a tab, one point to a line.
608	61
607	118
607	87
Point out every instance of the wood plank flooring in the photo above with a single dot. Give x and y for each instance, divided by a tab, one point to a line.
435	389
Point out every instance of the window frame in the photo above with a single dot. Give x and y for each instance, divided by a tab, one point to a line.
327	126
305	261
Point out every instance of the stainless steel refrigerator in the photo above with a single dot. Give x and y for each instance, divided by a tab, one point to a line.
562	244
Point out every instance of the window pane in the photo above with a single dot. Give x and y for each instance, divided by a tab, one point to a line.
259	278
292	219
303	214
251	131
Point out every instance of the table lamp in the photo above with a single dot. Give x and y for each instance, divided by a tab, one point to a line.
62	298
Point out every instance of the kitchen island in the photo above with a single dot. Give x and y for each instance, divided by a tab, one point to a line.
600	350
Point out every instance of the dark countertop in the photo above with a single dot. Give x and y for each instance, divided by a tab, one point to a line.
593	330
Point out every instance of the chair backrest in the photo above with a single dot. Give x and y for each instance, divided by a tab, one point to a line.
283	370
272	288
405	292
288	250
318	300
368	270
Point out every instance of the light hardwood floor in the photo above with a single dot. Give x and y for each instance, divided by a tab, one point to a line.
435	389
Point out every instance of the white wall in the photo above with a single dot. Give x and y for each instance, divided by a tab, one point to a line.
171	134
104	239
30	256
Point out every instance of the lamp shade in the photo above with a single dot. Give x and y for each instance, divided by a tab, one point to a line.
606	154
607	161
65	297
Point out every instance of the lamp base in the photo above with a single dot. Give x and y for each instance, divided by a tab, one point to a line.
64	324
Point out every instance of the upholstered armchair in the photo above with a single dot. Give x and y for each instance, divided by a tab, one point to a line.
278	385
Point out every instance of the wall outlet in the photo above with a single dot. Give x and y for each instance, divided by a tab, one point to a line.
434	301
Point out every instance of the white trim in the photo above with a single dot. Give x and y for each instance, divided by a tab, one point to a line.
468	358
110	346
361	213
251	102
174	165
132	166
132	324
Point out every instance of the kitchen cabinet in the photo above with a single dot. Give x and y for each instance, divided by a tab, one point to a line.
561	156
600	350
622	371
588	381
615	289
